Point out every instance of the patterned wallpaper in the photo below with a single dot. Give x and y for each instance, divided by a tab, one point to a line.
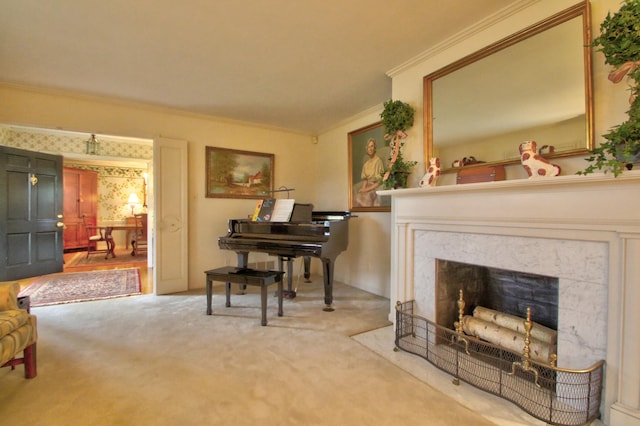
57	142
115	184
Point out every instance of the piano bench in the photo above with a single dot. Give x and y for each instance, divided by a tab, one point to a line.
245	276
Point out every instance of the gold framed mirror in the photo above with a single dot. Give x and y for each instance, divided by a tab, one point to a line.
533	85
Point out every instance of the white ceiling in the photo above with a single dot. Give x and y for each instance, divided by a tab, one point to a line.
303	65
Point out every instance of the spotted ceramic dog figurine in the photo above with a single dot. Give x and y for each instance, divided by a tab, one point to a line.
535	165
433	172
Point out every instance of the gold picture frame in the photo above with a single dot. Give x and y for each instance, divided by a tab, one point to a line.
231	173
365	168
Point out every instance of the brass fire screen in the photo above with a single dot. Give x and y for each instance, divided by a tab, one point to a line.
555	395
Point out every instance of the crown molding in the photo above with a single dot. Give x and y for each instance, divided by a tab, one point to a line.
465	34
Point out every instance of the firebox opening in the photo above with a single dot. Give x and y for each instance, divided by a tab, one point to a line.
510	292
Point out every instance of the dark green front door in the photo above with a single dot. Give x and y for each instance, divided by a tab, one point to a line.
30	214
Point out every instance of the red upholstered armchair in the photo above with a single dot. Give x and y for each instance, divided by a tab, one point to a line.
18	331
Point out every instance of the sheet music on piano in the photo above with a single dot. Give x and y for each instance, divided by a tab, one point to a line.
282	210
273	210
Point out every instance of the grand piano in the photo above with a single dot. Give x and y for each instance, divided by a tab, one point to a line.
321	234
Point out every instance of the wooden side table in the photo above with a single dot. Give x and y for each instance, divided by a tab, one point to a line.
245	276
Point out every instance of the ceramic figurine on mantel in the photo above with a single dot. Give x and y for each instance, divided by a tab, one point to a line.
534	163
433	172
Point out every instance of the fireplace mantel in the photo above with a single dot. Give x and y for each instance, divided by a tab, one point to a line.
571	200
566	210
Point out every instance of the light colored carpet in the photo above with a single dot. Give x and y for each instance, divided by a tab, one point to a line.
159	360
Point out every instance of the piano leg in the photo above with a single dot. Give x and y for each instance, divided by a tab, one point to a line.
243	261
209	295
289	293
307	268
327	273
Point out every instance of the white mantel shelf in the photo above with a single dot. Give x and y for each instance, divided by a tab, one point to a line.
516	184
598	201
516	215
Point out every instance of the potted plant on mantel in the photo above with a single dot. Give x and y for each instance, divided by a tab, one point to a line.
397	117
619	41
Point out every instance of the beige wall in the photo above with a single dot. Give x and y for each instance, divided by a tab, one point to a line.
610	101
366	264
294	155
322	177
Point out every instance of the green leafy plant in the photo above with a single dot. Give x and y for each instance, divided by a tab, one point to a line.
398	174
621	149
619	41
397	115
396	118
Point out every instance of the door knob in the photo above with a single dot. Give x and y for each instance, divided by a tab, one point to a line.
60	224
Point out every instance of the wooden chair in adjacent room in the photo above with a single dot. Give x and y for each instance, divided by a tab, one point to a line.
139	241
95	235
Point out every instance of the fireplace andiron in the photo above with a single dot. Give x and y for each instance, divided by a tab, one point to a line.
457	338
525	364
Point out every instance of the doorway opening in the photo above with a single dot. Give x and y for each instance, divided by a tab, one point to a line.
123	167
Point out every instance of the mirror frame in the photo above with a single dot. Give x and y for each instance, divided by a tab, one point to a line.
579	10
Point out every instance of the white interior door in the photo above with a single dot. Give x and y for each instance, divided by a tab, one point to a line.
170	274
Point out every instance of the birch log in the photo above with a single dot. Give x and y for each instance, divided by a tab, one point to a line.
512	322
506	338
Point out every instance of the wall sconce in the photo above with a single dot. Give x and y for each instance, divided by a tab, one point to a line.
145	176
133	202
93	145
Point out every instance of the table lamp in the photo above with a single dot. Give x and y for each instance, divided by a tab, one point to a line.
133	201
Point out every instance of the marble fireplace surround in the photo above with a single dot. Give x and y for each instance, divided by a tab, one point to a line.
579	265
584	230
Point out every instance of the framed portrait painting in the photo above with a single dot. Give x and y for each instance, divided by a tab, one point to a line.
238	174
368	155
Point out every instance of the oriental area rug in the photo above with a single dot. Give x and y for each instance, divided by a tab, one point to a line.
71	287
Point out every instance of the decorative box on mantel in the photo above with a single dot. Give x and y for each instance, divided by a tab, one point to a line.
583	230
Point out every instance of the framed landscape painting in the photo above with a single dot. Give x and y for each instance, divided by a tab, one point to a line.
238	174
368	156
